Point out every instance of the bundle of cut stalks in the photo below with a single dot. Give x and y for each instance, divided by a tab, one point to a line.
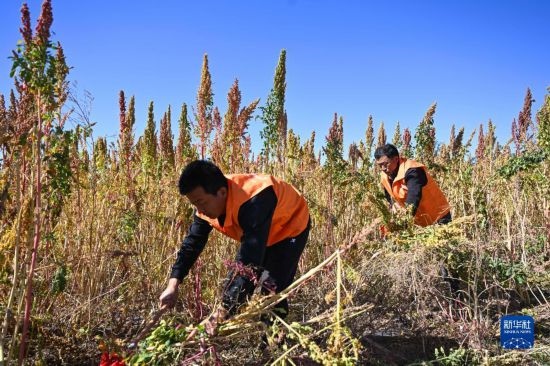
434	236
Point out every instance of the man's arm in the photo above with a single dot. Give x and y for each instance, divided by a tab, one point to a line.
387	194
255	217
388	197
415	179
191	247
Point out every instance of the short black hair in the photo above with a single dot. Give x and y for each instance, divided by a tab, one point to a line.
386	150
201	173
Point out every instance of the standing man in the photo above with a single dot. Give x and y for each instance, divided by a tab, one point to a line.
408	183
269	218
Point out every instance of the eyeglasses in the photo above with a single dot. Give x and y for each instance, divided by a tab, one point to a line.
383	164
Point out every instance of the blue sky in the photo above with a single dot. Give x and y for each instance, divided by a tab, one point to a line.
391	60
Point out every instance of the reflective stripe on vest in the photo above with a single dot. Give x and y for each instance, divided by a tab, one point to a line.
433	204
291	213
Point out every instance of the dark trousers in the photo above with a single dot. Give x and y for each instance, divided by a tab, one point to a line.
281	261
445	219
454	282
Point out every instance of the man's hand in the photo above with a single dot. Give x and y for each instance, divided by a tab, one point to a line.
169	296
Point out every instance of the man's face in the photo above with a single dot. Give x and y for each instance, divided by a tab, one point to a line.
210	205
388	165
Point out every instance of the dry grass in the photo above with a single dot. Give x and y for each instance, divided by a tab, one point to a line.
118	250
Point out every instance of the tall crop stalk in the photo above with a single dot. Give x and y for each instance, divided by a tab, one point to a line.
37	231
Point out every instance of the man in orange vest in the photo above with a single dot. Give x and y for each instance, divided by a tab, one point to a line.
408	183
269	218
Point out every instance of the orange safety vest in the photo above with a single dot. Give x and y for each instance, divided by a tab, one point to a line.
433	204
291	214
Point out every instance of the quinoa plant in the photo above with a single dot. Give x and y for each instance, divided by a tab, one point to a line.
522	128
543	120
149	141
273	116
480	149
425	137
369	139
407	150
231	142
203	115
185	151
381	139
166	144
39	70
397	140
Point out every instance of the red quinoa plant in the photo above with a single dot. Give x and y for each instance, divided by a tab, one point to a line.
39	69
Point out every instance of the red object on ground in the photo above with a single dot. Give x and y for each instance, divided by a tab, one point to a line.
111	359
